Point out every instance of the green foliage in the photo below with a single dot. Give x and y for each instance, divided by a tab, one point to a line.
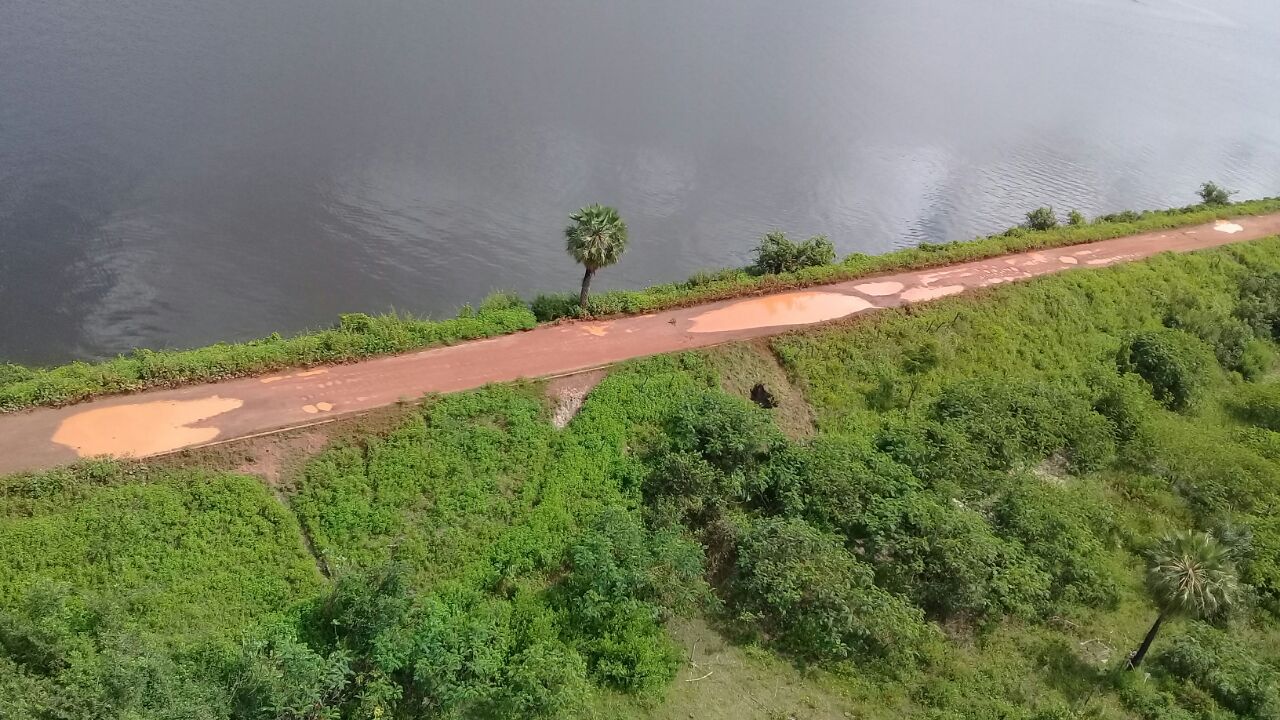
1229	336
1041	219
621	583
1062	533
1013	422
1259	303
776	253
949	560
1213	194
552	306
818	599
728	432
1258	405
1075	219
1214	662
1174	363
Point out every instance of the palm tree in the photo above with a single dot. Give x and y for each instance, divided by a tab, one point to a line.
596	238
1189	573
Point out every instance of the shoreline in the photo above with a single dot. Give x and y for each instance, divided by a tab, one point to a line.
359	336
164	420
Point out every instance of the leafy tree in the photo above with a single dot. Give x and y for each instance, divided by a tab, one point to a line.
1213	194
597	238
622	582
1188	573
776	253
1042	218
820	601
949	560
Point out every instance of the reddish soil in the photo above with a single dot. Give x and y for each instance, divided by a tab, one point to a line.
160	421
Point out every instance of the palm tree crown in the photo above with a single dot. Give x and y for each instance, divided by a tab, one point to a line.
1192	574
597	236
596	239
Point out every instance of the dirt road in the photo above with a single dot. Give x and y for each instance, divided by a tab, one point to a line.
160	421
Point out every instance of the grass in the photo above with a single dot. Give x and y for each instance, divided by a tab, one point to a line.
195	556
359	336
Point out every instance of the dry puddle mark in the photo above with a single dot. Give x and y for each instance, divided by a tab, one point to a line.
141	429
796	308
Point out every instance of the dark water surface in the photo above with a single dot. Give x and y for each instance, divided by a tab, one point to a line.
174	173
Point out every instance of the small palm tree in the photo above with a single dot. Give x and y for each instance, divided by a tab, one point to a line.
1189	573
597	239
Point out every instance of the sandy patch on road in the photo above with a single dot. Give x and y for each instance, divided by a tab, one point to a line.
795	308
1229	228
919	294
142	429
879	289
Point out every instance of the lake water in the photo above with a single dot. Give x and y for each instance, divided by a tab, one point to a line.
174	173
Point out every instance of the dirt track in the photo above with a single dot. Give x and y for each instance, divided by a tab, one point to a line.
160	421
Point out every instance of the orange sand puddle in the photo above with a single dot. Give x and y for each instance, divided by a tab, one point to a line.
142	429
787	309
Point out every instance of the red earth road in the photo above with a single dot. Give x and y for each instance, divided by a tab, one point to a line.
159	421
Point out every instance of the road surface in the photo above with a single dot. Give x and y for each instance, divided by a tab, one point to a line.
159	421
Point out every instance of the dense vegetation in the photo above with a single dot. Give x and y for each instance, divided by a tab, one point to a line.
967	535
780	264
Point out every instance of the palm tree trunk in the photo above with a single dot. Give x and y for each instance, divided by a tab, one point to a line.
1136	660
586	287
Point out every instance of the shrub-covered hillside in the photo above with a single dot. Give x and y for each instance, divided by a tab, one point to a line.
966	536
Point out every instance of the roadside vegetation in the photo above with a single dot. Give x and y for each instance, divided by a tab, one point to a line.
780	264
1003	492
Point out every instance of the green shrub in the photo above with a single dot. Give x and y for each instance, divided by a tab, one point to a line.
621	583
1258	405
729	432
819	601
1175	364
1213	661
949	561
1063	534
778	254
1042	218
1213	194
1258	303
835	481
1257	360
357	323
1016	422
1122	217
1075	219
553	306
1126	402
